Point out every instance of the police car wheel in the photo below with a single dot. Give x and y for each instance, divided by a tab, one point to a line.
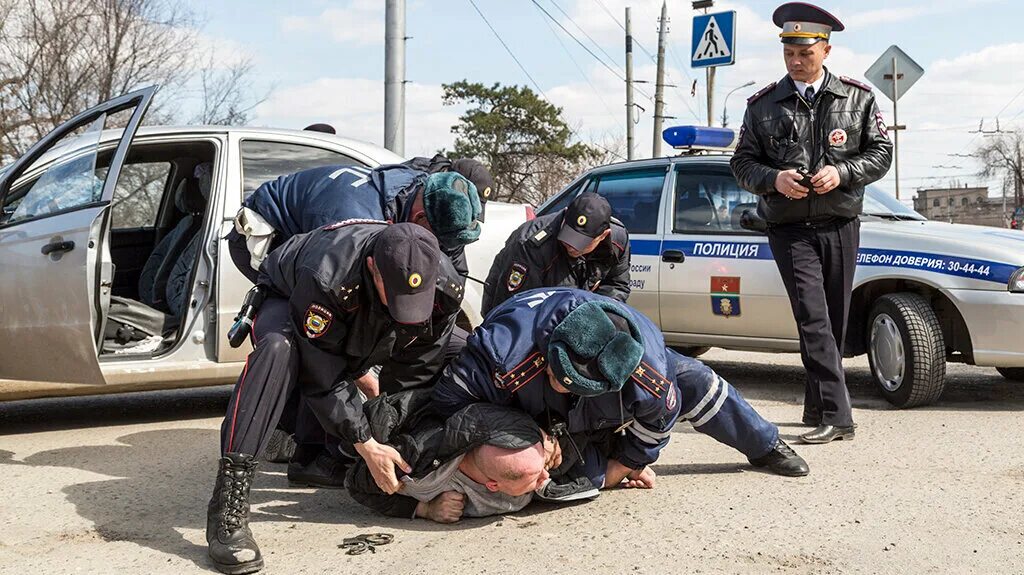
691	350
906	350
1012	373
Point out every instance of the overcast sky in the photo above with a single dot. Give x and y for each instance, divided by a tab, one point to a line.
324	61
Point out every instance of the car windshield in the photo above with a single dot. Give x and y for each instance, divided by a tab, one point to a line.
878	203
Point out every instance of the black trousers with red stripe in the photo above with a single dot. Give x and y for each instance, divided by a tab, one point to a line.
270	377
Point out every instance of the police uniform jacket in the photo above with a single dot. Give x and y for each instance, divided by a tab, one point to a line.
342	329
408	422
533	257
504	363
304	201
781	130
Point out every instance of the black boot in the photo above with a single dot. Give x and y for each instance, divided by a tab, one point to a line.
232	547
782	460
281	447
325	470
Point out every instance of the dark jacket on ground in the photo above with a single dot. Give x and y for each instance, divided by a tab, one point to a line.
304	201
408	422
504	363
533	257
341	327
782	131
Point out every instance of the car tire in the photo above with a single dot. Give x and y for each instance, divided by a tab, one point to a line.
1012	373
691	350
906	350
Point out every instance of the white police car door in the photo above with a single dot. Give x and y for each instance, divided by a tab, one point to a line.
635	196
56	268
718	279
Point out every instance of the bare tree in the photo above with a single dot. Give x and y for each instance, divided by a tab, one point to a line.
59	57
1000	154
225	97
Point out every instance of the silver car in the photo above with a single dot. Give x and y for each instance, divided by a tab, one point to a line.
924	292
97	221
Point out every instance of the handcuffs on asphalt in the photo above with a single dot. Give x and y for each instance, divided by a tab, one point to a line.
366	542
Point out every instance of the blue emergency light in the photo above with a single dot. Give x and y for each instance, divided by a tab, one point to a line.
699	138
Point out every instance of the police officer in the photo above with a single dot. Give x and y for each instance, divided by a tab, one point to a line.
809	144
582	246
472	170
338	296
445	203
599	368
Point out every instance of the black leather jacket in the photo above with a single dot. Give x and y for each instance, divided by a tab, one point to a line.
781	131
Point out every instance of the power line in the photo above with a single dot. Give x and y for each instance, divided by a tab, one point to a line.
509	50
588	50
580	28
579	68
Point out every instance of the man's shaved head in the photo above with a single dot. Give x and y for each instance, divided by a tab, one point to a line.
511	471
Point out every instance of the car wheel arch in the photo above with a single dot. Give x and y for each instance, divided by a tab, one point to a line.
954	329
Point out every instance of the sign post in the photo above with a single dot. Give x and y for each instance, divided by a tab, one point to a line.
713	43
894	72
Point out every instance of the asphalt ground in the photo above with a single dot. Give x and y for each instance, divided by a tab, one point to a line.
119	484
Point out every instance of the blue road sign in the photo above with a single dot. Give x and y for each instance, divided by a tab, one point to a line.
714	40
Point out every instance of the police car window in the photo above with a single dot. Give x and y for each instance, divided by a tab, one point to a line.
563	200
635	197
263	161
709	202
140	187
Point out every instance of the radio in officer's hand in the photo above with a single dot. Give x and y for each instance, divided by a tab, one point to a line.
243	321
805	178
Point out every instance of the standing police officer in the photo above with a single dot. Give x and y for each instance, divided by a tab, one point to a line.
809	144
582	246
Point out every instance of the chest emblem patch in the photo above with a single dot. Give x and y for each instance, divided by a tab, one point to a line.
837	137
318	319
516	277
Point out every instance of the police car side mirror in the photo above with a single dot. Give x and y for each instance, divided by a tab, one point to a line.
753	222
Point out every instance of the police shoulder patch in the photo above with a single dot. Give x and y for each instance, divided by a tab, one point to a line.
516	276
852	82
317	321
761	92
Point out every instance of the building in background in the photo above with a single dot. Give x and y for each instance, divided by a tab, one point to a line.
962	206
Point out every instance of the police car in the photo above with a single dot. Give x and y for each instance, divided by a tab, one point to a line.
85	216
925	292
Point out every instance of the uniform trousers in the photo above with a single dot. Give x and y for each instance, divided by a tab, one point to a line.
817	263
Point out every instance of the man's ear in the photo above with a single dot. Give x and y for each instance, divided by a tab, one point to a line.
492	486
828	49
371	265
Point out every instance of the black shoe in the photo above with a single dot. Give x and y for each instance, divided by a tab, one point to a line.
782	460
231	544
827	433
570	489
324	471
280	448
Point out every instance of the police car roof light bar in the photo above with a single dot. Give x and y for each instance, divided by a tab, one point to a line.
700	138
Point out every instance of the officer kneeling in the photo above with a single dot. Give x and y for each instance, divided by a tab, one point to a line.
338	297
600	370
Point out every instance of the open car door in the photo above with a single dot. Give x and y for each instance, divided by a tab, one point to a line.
55	268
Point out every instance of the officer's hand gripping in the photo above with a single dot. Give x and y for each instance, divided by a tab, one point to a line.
381	460
789	183
445	508
826	180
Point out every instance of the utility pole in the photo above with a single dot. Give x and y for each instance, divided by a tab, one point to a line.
394	76
629	86
659	89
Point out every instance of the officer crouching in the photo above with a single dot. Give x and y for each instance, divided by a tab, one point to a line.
809	144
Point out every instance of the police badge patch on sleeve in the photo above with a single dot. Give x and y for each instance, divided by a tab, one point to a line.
880	122
516	277
318	319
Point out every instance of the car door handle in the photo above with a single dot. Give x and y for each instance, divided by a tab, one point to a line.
58	247
673	256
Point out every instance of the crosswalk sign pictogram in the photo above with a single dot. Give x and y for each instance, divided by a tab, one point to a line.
714	38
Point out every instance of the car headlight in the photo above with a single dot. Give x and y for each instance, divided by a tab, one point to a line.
1016	284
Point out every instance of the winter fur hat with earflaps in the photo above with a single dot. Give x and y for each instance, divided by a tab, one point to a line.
595	349
453	209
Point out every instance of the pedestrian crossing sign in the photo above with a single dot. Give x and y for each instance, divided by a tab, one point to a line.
714	38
